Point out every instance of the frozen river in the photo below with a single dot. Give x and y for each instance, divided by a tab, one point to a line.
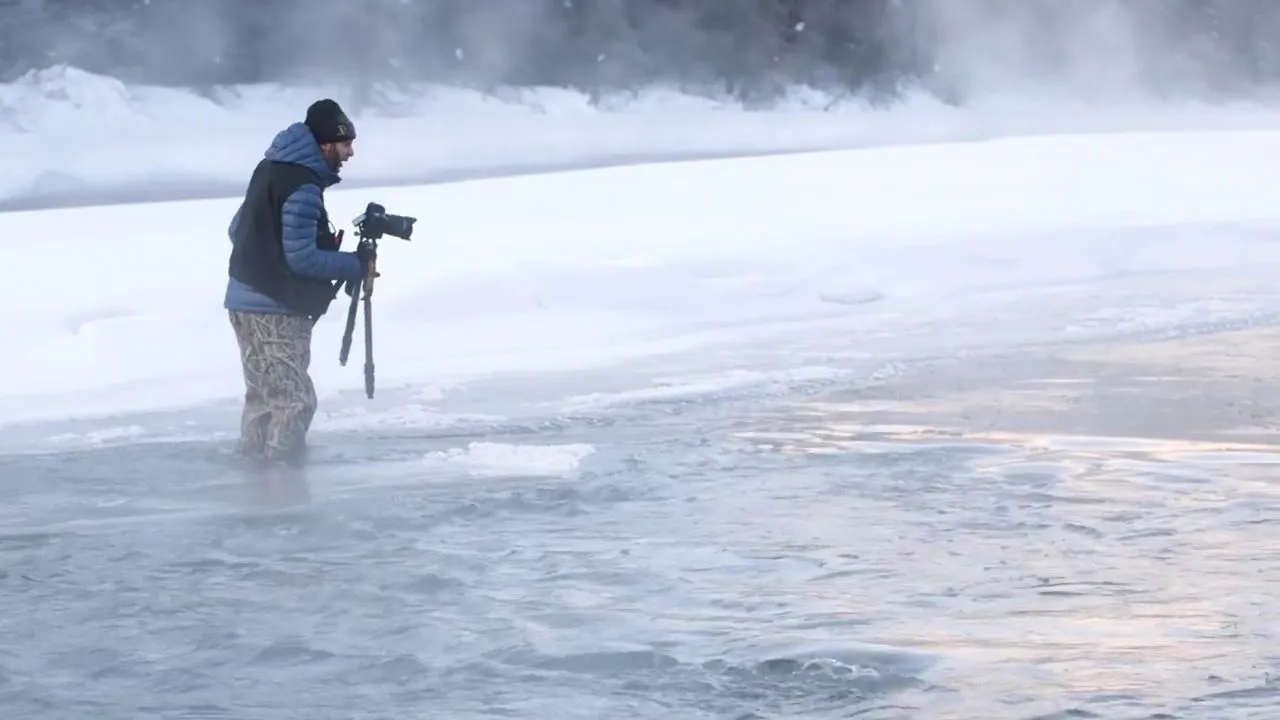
870	543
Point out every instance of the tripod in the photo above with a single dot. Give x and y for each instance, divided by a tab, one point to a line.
364	284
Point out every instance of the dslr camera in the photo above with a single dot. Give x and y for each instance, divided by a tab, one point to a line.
375	222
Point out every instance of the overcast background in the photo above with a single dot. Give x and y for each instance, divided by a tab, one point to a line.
750	48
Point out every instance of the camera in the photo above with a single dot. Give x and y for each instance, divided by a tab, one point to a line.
375	222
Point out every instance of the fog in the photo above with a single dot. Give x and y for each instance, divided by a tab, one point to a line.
751	49
1108	48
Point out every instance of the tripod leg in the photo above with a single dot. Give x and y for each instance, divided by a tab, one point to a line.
351	324
368	347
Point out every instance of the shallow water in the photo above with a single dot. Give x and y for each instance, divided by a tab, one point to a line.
690	565
699	553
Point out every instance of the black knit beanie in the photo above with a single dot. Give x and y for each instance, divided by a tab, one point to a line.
328	123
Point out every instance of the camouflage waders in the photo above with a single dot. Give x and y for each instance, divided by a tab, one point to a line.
279	398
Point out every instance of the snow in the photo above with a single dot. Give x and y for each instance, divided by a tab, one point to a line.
115	309
576	268
81	133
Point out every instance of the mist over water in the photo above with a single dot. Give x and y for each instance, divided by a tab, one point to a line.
750	49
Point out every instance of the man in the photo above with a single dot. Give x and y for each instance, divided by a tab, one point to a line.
284	271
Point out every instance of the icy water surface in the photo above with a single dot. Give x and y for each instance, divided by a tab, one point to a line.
738	554
739	560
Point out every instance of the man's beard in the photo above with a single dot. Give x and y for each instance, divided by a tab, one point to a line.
331	159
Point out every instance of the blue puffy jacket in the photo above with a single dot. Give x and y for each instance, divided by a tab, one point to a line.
300	216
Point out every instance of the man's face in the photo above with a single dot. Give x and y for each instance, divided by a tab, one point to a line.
335	154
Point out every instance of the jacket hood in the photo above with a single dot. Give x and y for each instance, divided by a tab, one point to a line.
295	144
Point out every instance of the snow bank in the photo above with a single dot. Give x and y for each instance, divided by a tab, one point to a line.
71	137
573	270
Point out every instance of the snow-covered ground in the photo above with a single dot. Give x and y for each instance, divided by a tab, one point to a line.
83	137
784	434
575	269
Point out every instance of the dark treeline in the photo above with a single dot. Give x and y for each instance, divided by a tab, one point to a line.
750	48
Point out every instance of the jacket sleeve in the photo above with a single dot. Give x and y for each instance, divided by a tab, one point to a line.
300	218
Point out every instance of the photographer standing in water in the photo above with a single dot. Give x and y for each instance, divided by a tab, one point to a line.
284	271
